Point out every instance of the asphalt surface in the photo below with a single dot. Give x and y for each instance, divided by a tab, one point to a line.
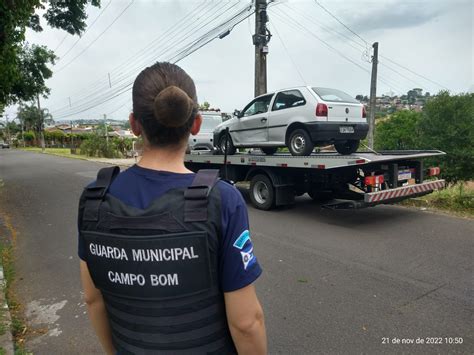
334	282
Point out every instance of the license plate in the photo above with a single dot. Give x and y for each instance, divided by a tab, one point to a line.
346	129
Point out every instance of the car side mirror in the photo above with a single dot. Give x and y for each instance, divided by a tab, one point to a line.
237	113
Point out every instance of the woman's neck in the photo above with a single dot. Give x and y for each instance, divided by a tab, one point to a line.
164	159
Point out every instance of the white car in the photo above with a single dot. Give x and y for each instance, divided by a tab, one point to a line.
204	139
298	118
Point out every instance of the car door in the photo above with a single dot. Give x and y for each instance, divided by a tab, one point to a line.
251	128
287	107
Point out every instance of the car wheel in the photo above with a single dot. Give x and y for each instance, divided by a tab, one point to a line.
262	193
348	147
269	150
300	143
229	147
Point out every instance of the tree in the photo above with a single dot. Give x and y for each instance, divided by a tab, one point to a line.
447	124
15	66
204	106
398	132
32	119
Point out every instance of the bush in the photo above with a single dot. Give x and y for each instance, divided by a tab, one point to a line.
447	124
96	146
398	132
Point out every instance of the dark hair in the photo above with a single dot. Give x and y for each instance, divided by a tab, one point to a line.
165	102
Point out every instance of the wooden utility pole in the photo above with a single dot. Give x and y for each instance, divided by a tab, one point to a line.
260	41
373	95
41	123
8	130
106	133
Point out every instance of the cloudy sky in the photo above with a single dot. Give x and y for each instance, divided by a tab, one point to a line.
426	44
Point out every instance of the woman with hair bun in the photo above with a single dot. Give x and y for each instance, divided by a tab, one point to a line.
167	262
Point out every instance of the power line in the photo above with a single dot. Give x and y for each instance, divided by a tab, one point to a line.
342	23
87	29
130	81
175	38
98	83
386	58
288	53
190	48
95	40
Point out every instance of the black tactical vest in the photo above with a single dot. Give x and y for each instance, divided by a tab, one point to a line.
157	268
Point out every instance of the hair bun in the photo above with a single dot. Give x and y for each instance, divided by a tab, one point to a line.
173	107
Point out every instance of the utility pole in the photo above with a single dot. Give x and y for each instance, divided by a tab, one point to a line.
8	130
22	132
110	82
260	40
373	95
106	133
73	151
41	123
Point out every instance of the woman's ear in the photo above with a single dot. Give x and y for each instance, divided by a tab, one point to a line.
196	127
135	125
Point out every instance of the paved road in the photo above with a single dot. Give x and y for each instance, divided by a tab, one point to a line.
334	281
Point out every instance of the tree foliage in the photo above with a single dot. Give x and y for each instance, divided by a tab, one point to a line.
398	132
32	119
446	123
22	65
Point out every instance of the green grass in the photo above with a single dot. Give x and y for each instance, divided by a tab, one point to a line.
63	152
457	198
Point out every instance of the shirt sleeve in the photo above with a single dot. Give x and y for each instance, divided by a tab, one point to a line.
238	264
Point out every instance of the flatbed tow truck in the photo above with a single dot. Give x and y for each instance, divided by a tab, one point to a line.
340	181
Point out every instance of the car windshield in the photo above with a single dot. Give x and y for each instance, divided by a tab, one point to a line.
333	95
209	122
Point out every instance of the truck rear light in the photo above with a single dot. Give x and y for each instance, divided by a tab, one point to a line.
364	112
321	110
374	180
433	171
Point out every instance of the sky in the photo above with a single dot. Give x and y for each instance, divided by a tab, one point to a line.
418	40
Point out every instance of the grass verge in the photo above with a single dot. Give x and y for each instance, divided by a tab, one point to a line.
62	152
18	322
458	199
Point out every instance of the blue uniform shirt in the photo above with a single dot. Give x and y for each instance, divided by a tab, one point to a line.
238	266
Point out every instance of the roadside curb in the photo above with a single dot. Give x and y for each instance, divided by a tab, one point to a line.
6	337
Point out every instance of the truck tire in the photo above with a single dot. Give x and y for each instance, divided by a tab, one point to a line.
348	147
262	193
269	150
299	143
230	145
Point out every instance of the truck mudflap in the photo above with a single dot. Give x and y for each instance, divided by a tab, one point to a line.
399	193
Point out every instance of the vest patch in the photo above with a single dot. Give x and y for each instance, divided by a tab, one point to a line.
151	267
242	239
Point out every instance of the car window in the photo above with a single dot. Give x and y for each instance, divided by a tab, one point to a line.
288	99
334	95
259	105
209	122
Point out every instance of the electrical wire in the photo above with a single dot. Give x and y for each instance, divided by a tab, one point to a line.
87	29
130	79
126	63
288	54
189	48
175	38
95	40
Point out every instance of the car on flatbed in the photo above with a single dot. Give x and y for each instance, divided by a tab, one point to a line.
299	118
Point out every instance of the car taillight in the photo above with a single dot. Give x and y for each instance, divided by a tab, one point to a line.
364	112
321	110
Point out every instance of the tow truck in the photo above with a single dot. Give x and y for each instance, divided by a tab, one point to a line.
362	179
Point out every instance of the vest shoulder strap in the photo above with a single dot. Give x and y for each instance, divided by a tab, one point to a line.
94	194
196	195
